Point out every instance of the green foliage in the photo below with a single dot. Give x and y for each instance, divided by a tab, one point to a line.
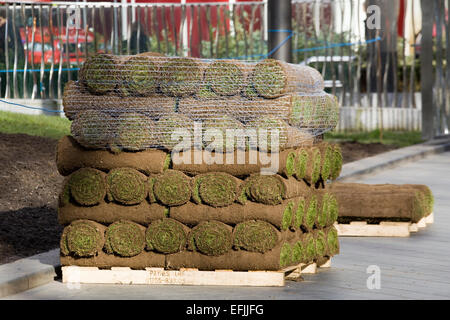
35	125
397	138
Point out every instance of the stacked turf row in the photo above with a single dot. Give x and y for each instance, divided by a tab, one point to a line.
382	202
135	103
249	245
313	164
145	75
88	191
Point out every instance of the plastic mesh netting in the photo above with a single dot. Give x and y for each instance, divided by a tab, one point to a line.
139	102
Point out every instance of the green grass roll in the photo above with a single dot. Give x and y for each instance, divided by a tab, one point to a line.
82	238
212	238
92	129
99	73
138	76
180	76
225	78
255	236
125	238
127	186
172	188
166	236
87	186
134	131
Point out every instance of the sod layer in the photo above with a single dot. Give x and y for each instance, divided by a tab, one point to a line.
180	76
87	186
70	156
104	260
378	202
225	78
172	188
143	213
124	238
76	99
82	238
93	129
281	216
216	189
166	236
255	236
212	238
127	186
272	78
98	73
138	76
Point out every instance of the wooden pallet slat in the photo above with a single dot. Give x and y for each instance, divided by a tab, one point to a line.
187	276
383	229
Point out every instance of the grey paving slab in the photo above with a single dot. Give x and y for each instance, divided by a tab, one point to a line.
416	267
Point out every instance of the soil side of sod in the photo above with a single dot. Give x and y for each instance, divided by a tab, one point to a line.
30	185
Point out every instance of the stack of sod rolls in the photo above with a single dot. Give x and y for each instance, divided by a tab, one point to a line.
134	103
129	200
382	202
139	209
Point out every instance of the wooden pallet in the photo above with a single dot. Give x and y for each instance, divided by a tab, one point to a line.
124	275
383	229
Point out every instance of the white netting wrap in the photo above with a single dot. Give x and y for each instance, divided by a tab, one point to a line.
137	102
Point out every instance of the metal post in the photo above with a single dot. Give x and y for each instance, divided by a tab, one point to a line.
280	29
426	70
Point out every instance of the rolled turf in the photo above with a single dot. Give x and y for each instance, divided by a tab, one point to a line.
138	76
327	156
170	130
104	260
313	165
272	189
279	257
272	78
93	129
271	133
212	238
166	236
255	236
142	213
221	127
134	131
76	99
375	203
87	186
224	77
309	244
332	238
238	163
217	189
280	215
180	76
71	156
125	238
337	162
99	73
82	238
321	243
127	186
172	188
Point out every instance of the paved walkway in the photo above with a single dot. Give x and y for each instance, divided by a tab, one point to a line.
417	267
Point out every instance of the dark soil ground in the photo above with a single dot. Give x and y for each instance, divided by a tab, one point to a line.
30	184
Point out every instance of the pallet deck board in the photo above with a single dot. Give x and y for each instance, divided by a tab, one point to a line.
187	276
383	229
